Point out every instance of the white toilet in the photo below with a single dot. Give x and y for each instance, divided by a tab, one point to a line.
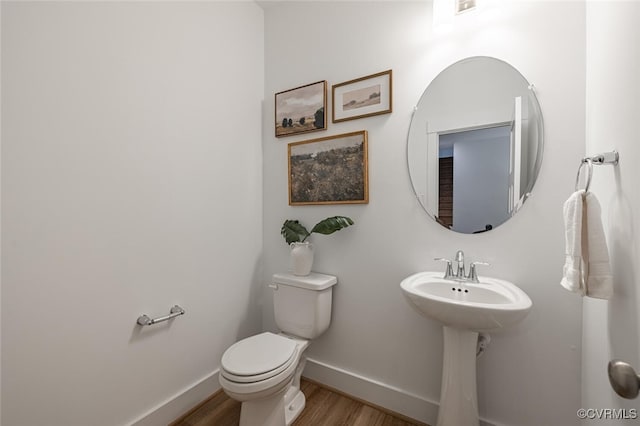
263	371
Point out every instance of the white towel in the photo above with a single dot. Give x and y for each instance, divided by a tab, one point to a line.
572	278
586	270
599	282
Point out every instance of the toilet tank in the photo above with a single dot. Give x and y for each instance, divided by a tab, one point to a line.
302	304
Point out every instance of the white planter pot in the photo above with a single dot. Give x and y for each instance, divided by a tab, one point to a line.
301	258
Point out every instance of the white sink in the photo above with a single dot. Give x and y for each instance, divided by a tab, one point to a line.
488	306
465	309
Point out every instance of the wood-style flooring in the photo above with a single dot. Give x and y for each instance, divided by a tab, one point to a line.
324	407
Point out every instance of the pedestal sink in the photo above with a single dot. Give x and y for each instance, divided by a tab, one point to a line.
465	309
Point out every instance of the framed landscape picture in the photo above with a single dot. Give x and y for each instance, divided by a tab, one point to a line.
301	110
331	170
362	97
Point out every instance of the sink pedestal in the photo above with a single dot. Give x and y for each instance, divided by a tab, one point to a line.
458	395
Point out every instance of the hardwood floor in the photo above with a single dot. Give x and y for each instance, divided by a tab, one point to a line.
324	407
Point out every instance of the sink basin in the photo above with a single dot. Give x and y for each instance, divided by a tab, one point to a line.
491	305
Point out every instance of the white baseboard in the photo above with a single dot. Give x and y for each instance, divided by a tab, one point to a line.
367	389
376	392
181	403
373	391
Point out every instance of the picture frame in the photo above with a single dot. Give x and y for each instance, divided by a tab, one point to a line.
363	97
329	170
301	110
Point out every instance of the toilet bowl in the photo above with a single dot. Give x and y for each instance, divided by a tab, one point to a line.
263	371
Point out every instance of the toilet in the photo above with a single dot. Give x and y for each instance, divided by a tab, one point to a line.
263	371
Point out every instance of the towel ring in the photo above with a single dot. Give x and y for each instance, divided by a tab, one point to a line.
589	164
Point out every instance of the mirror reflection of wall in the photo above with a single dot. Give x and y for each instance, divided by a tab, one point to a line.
478	159
473	177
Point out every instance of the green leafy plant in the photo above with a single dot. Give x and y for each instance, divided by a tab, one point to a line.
294	232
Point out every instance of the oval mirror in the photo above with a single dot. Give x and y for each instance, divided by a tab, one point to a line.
475	145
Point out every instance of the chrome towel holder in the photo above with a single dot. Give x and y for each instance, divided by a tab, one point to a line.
174	312
611	158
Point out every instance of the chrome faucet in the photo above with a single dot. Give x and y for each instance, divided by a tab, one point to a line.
459	259
460	270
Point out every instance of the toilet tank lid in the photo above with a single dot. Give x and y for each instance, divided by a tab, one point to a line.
313	281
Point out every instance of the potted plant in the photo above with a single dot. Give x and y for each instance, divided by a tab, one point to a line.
295	234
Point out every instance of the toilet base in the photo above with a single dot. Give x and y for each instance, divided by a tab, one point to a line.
294	402
267	411
275	410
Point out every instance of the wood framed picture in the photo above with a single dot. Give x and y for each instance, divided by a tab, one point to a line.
301	110
362	97
330	170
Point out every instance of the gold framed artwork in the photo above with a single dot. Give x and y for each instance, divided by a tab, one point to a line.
362	97
301	110
329	170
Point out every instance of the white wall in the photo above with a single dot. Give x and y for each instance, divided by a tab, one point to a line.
0	227
612	329
131	181
481	179
531	373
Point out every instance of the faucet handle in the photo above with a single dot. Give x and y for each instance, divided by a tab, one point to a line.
473	276
449	272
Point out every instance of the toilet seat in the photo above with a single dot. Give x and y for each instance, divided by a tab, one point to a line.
258	358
